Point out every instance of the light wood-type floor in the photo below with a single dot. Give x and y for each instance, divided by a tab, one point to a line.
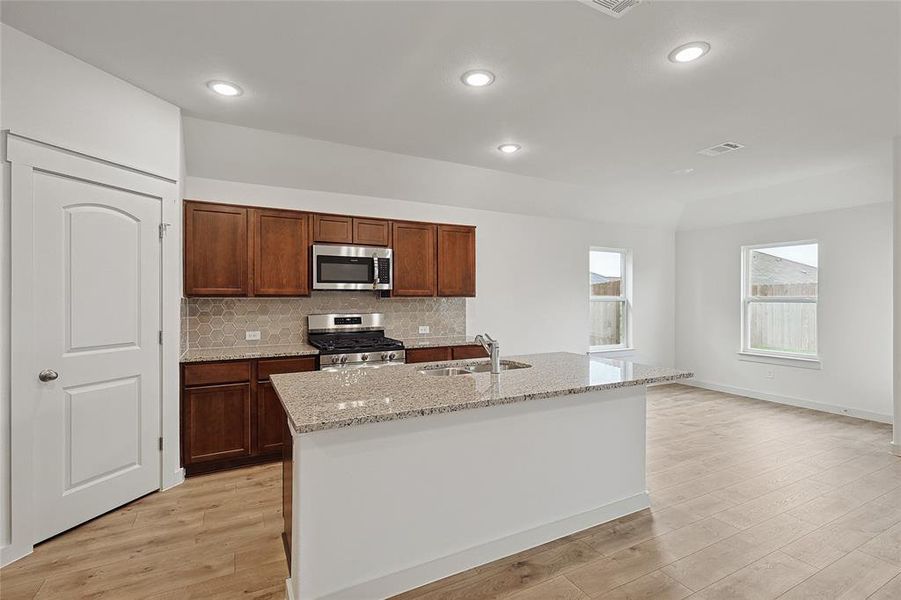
750	500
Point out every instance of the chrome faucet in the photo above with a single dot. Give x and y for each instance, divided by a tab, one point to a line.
493	348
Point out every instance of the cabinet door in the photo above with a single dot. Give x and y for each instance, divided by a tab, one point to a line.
456	260
371	232
421	355
462	352
216	250
281	262
333	229
270	420
216	422
414	259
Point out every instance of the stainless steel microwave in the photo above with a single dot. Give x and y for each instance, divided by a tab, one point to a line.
351	267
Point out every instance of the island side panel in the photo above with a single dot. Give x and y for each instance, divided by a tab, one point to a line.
386	507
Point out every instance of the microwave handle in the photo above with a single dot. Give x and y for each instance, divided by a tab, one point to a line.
375	271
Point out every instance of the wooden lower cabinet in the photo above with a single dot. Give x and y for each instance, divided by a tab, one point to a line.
437	354
464	352
216	423
421	355
228	423
270	420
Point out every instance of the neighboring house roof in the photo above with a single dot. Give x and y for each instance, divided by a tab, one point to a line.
773	270
598	278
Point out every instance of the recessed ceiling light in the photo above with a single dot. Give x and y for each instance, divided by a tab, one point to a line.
225	88
509	148
689	52
477	78
687	171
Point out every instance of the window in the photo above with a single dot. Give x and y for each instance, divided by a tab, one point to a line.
608	299
779	305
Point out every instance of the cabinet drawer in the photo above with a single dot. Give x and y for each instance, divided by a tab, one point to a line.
217	372
462	352
420	355
268	367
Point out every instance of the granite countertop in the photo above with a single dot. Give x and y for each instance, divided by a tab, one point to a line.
437	341
330	400
247	352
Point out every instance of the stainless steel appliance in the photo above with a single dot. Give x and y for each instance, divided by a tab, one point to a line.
353	341
351	267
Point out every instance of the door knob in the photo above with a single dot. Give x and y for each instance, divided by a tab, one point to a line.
48	375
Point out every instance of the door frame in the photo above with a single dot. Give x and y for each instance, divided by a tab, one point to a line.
26	156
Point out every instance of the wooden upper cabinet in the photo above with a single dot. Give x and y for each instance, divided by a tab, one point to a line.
371	232
280	253
216	250
338	229
456	260
334	229
414	259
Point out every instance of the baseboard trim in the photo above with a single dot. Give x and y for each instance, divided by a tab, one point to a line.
177	480
11	553
289	595
790	401
424	573
896	449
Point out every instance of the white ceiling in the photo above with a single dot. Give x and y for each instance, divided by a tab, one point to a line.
809	87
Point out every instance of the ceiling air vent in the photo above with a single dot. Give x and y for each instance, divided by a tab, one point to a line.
720	149
612	8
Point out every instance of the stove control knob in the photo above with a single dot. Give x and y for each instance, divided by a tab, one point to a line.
343	358
364	357
385	356
392	356
334	360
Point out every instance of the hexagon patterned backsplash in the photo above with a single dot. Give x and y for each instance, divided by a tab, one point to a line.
222	322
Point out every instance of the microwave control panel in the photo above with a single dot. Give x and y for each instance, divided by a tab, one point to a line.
384	274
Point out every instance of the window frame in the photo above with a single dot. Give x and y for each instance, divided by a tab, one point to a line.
625	297
774	356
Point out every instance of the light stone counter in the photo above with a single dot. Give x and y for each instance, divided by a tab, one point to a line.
331	400
378	510
247	352
437	341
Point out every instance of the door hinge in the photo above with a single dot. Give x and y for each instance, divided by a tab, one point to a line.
161	337
161	444
164	227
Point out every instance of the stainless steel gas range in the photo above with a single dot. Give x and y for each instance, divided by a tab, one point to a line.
353	341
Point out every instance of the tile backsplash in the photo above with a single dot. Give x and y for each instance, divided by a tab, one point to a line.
221	322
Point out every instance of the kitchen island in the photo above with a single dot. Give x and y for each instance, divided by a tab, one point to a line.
402	475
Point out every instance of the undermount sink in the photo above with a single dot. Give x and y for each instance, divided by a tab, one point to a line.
506	365
445	371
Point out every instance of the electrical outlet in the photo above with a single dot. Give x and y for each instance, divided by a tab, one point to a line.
770	374
251	335
423	329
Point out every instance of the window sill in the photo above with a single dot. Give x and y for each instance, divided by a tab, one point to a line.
786	361
613	352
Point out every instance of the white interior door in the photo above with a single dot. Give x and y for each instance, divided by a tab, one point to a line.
97	307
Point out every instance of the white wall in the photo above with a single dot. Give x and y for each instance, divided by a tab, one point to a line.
280	159
896	435
532	272
54	98
854	311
